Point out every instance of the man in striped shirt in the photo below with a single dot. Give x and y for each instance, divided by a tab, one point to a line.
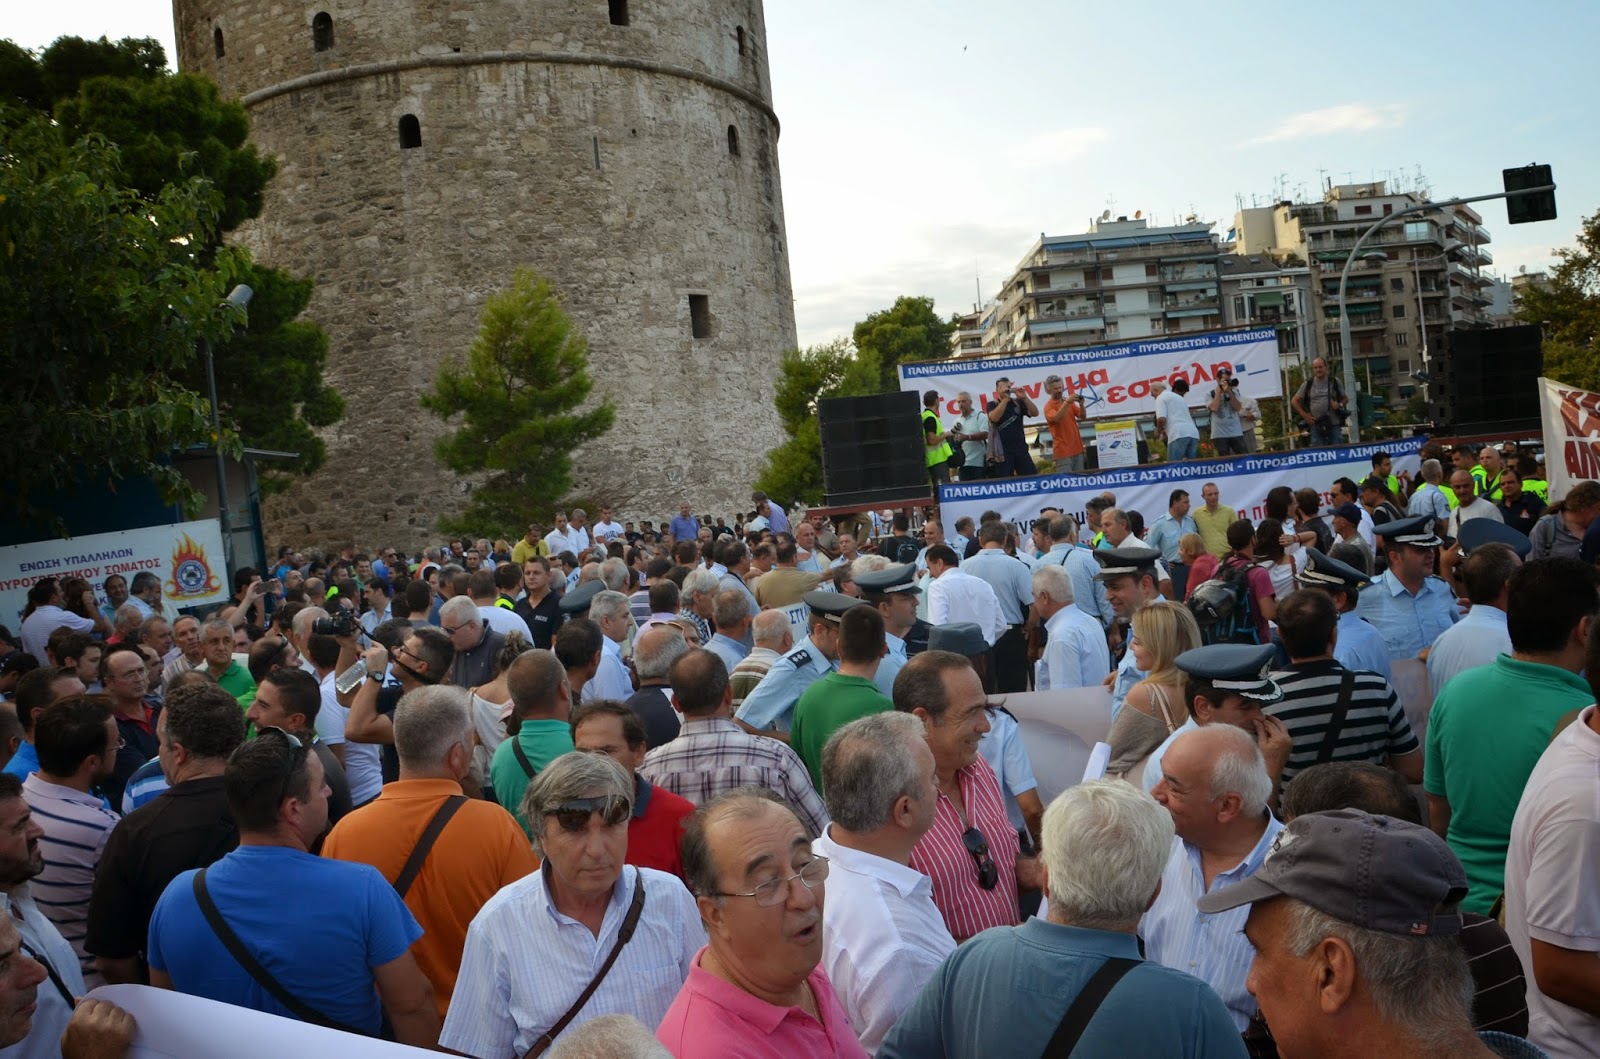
77	740
1333	713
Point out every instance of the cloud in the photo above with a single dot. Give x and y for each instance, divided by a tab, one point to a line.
1063	145
1346	117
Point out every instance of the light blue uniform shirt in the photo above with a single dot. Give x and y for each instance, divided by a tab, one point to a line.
1361	646
1429	500
1152	768
1164	533
1010	578
1408	623
1089	594
1002	747
890	664
1075	652
731	651
772	701
1127	676
1213	948
1476	640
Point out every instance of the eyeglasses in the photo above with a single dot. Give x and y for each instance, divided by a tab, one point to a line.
978	846
775	892
574	815
288	774
449	631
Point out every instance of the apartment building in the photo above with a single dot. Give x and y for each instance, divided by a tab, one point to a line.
1258	291
1122	279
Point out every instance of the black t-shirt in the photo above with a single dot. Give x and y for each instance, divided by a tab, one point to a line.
388	698
543	620
901	549
1010	426
139	745
187	826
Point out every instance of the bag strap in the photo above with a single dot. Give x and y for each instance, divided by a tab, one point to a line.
50	969
1330	738
301	1010
635	909
1086	1006
522	758
430	835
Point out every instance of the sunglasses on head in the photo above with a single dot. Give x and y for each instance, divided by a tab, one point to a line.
573	815
978	846
294	744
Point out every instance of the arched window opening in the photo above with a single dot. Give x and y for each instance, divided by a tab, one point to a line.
322	31
733	141
410	132
619	12
738	32
216	41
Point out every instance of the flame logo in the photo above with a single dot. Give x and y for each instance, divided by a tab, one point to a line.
191	573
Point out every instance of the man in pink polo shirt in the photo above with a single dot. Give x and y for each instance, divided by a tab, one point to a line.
757	989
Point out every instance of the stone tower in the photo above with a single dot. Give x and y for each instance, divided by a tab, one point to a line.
625	149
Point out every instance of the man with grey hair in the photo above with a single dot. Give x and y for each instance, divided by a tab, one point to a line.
730	614
773	636
1075	652
971	432
610	611
1104	845
883	937
126	621
653	656
1430	499
532	953
699	597
1216	787
216	641
300	634
1354	922
609	1037
445	853
477	646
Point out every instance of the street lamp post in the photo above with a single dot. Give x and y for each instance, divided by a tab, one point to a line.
238	298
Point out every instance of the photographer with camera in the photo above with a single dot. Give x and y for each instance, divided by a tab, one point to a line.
1227	429
1007	412
1321	402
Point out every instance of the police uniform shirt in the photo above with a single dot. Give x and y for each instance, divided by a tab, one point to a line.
771	702
1361	646
890	664
1408	623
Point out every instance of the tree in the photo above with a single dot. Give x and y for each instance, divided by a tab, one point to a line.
907	331
170	129
793	470
1568	310
103	300
518	394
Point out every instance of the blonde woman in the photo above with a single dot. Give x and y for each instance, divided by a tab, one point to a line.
1154	708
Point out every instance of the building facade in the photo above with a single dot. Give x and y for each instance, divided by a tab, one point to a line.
627	152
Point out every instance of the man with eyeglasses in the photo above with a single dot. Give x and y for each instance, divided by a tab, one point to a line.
971	852
477	646
758	987
127	680
187	826
542	942
343	960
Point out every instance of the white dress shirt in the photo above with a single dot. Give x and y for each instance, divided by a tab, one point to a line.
42	941
955	596
1075	652
882	936
611	680
504	621
559	542
525	963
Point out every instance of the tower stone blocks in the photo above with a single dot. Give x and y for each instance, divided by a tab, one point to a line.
626	149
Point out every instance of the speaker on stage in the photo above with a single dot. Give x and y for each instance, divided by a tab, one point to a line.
1489	377
872	448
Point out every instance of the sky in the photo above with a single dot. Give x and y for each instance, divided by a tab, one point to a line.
926	144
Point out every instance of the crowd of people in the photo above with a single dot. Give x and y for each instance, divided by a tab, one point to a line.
698	789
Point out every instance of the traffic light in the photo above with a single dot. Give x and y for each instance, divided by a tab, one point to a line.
1524	209
1369	409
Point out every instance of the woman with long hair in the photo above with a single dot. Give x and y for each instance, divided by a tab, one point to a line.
1155	706
1269	549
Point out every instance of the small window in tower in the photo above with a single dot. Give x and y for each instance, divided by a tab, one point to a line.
738	32
733	141
700	315
410	132
216	41
619	12
322	31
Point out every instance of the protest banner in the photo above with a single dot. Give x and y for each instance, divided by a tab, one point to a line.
1113	379
186	556
1243	482
1571	419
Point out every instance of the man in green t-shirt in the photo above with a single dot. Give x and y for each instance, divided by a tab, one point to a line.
845	694
1490	724
541	704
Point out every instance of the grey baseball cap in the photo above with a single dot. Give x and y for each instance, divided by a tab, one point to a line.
1369	871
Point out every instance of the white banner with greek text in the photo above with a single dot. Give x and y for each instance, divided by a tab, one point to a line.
1571	419
1115	379
186	556
1243	482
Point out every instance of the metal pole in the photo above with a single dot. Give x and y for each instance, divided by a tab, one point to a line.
222	470
1344	279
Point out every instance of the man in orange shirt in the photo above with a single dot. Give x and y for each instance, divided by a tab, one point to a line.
446	853
1061	414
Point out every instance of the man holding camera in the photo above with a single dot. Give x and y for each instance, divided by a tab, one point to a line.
1061	414
1227	429
1007	412
1321	401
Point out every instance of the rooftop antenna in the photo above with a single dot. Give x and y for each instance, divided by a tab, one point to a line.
1105	215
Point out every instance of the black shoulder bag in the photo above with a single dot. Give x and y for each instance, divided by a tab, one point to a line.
522	758
1086	1006
299	1008
1330	738
624	935
430	835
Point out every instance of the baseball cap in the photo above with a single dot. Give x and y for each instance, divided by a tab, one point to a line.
1373	872
1348	512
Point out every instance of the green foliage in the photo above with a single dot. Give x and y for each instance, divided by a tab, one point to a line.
517	396
793	470
103	300
907	331
1569	311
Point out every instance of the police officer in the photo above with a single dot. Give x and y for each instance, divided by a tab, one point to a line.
1129	575
1359	644
1233	684
575	602
769	708
893	590
1409	605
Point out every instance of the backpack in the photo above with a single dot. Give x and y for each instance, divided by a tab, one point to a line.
901	549
1222	606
